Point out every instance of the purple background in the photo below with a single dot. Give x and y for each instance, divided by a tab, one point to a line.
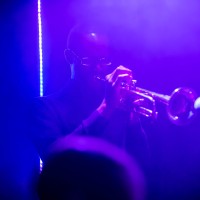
159	40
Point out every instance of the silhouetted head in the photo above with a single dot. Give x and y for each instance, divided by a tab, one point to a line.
83	168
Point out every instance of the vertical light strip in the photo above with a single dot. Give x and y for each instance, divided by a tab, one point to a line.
41	57
40	47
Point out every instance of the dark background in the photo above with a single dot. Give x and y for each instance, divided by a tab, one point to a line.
159	40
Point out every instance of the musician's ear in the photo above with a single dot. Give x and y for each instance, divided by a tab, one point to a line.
69	56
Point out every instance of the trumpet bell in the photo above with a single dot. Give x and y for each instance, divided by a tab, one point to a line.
180	107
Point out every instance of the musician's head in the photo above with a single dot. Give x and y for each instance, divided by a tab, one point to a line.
88	51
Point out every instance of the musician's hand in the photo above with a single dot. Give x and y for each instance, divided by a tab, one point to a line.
117	83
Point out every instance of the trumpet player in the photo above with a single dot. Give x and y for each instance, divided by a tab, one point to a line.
91	102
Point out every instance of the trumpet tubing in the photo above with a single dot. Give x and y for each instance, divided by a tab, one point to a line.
180	105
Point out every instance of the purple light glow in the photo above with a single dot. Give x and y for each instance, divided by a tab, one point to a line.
40	46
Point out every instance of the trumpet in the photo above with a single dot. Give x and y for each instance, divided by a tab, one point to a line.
181	105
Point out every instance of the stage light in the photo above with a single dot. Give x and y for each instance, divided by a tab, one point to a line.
40	57
40	47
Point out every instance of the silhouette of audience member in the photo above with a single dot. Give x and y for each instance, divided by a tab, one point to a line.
86	168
